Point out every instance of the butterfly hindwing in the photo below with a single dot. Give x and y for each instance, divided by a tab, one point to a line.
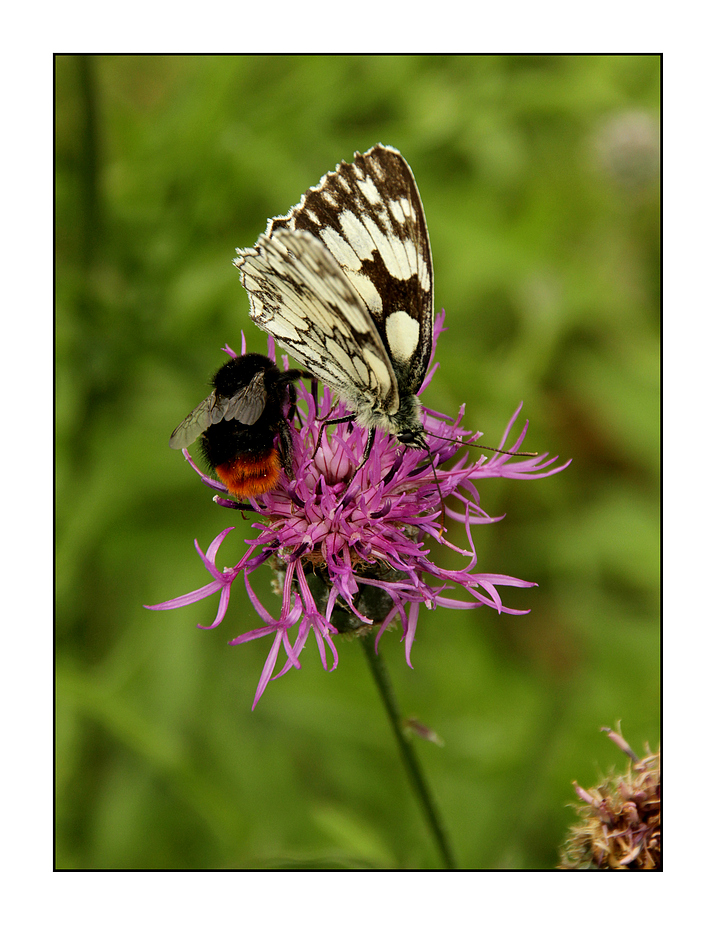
370	217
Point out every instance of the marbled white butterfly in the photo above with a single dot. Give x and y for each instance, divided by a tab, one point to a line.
344	284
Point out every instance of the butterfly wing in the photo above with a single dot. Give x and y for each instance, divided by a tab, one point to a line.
300	295
370	217
344	284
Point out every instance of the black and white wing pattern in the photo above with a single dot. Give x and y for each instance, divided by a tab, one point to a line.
344	284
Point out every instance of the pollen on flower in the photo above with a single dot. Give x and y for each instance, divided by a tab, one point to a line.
351	544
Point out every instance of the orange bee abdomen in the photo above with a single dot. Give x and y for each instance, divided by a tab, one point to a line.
251	473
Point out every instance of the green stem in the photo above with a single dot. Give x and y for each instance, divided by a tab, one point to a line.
405	745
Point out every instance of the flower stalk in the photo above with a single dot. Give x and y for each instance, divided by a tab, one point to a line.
407	752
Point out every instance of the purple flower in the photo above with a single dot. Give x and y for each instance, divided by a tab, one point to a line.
350	545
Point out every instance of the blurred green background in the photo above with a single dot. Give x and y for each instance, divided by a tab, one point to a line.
540	181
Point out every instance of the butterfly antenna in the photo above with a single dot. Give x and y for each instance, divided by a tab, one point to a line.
481	446
504	452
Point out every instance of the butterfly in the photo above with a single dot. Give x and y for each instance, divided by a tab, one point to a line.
344	284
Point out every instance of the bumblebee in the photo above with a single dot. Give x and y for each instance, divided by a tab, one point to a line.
244	424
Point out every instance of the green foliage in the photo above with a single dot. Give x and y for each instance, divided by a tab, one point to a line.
540	180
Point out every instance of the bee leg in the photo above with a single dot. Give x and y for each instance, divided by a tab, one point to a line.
292	409
285	447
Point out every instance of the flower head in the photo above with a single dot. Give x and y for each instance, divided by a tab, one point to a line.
348	537
620	820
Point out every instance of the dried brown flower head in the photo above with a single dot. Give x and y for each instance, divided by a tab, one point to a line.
620	819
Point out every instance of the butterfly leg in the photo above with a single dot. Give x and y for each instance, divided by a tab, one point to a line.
324	424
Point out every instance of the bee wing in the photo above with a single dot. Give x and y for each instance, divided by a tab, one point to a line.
201	418
247	405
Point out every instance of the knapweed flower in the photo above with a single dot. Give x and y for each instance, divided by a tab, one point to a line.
620	820
349	542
